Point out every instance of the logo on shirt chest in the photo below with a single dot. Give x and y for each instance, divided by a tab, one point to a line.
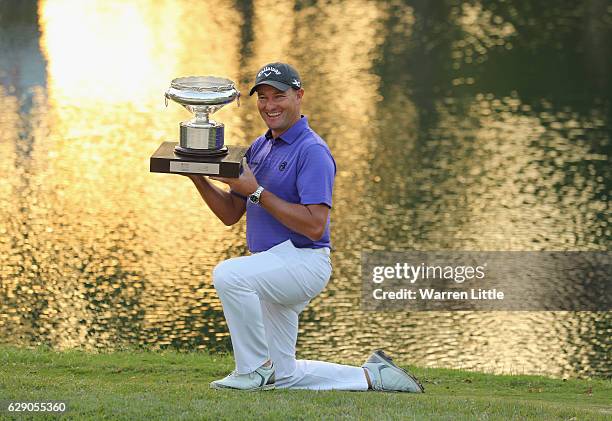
282	166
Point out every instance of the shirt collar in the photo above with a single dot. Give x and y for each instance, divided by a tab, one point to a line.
293	132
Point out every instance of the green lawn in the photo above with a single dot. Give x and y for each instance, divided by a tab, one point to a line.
172	385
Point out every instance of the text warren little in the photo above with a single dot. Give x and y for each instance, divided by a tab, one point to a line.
433	294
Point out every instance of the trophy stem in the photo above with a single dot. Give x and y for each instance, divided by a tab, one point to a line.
202	117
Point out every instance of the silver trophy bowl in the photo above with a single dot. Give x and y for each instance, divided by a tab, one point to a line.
202	95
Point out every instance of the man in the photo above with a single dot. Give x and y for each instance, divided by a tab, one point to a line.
286	191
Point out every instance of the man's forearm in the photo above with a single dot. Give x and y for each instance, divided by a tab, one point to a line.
295	216
221	202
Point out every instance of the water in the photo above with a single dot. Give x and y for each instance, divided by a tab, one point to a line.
456	126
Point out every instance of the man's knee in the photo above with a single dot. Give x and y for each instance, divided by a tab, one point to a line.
226	276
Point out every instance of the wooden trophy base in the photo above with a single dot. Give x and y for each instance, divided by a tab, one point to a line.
166	160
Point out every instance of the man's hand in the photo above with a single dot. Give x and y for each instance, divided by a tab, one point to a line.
245	185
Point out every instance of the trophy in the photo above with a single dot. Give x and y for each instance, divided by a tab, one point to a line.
201	149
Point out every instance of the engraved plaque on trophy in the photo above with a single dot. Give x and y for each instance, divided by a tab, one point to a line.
201	148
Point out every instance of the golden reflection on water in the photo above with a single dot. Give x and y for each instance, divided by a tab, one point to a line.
97	252
510	159
113	239
483	30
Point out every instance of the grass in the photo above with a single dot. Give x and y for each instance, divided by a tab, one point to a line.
173	385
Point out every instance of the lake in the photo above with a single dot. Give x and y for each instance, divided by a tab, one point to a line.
455	125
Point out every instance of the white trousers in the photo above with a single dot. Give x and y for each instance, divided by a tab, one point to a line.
262	296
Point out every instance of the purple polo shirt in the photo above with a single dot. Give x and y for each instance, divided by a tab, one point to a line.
298	167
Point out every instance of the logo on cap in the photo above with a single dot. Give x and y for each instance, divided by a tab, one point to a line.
295	82
267	71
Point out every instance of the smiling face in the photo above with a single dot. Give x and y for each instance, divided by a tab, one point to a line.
279	110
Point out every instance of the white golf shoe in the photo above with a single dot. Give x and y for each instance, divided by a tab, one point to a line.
387	377
260	379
